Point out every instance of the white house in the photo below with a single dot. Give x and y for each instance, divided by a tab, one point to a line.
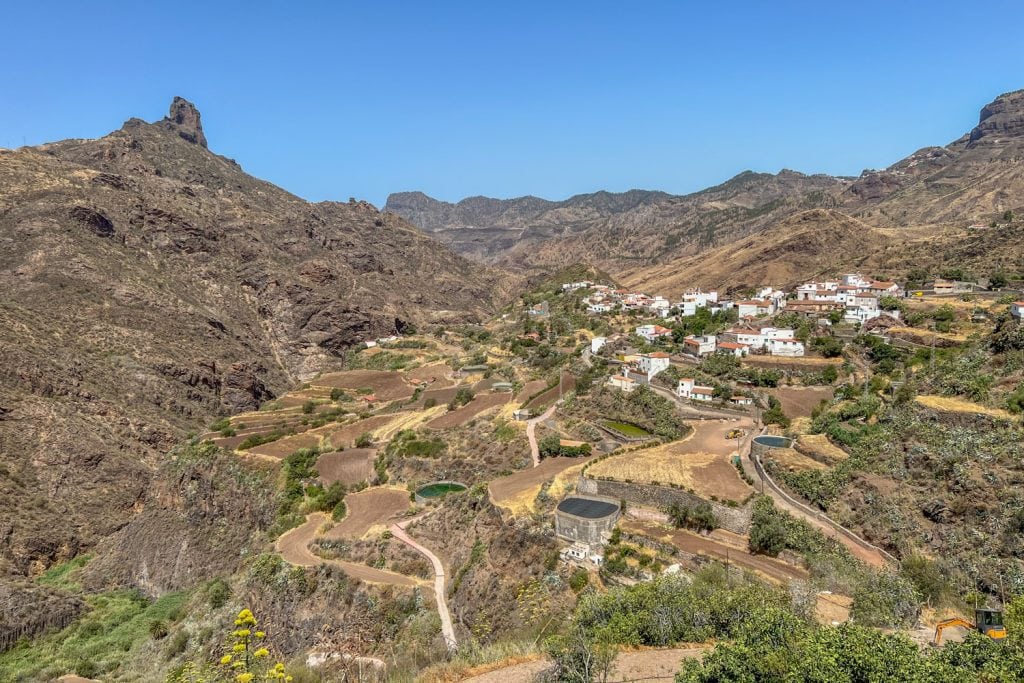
703	345
1017	310
732	348
748	336
687	388
573	286
621	382
741	400
597	343
659	306
785	347
776	333
751	308
882	288
653	332
599	308
652	363
861	308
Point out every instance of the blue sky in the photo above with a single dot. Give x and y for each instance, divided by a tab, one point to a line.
341	99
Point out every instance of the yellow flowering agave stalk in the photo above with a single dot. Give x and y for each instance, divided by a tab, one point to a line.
247	659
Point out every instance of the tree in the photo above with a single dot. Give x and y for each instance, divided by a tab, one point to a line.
1008	215
998	280
581	657
890	303
829	347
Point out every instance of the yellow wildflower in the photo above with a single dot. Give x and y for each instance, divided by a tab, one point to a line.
245	678
260	634
226	659
239	648
262	652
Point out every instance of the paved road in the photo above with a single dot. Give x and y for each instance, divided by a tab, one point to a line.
440	590
531	432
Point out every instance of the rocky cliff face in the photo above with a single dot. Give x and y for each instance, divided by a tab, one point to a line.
1001	118
149	285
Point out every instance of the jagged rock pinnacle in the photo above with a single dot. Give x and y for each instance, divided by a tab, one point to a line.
185	118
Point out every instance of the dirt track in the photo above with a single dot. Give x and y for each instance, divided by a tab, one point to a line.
641	665
293	547
769	567
551	395
368	508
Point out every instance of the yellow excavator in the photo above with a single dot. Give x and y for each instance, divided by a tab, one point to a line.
988	622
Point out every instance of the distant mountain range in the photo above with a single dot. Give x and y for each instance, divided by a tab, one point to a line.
649	237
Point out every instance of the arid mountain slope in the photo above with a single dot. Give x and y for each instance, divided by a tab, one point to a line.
149	285
936	192
614	231
819	241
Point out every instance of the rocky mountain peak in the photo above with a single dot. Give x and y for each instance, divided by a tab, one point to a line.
1001	118
185	118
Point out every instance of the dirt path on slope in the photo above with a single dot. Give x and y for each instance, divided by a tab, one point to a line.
636	666
440	589
293	546
531	433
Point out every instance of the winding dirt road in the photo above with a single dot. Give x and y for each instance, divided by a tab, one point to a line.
440	590
293	546
531	432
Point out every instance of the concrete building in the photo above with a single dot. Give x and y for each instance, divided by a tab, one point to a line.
1017	310
586	519
785	347
652	363
597	343
622	382
700	345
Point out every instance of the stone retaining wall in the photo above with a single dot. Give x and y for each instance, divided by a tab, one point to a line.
736	520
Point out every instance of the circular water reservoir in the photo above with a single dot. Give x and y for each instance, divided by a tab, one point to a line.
438	489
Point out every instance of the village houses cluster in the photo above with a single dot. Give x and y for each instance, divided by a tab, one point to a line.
850	298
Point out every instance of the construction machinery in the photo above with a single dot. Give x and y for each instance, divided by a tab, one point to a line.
734	434
988	622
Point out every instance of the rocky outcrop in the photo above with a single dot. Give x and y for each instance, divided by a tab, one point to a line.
1000	119
185	118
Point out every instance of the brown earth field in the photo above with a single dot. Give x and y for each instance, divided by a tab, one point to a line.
799	364
441	396
551	395
795	461
346	435
349	467
435	374
368	508
507	488
687	541
461	416
800	401
386	385
529	389
284	447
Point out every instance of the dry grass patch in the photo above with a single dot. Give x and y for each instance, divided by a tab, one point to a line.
707	474
818	445
795	461
949	404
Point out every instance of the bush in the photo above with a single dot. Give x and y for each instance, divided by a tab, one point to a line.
158	629
365	440
218	592
699	517
429	403
579	580
461	398
885	600
338	394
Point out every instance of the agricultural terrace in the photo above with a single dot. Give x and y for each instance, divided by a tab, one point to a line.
518	491
348	467
800	401
701	462
369	510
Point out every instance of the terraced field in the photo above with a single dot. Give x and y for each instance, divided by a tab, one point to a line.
348	467
461	416
370	508
386	385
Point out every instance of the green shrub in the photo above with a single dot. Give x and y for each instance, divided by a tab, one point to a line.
218	592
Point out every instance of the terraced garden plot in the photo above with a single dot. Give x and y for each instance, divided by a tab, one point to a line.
461	416
701	462
795	461
434	374
386	385
284	447
368	509
949	404
349	467
345	436
529	389
517	491
627	429
800	401
441	396
819	447
551	395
